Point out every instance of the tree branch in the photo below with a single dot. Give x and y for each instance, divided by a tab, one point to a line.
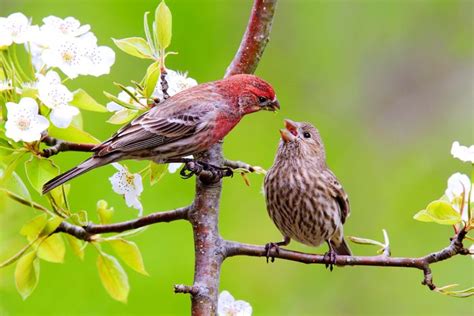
233	248
86	233
58	146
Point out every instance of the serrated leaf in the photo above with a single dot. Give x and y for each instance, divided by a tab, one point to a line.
163	24
39	171
157	171
122	116
113	277
129	253
77	246
440	212
52	249
27	274
151	78
34	227
72	134
135	46
84	101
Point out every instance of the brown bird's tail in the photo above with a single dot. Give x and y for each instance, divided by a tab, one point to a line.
342	248
85	166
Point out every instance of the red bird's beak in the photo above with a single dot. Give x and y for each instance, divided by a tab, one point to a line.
273	105
289	133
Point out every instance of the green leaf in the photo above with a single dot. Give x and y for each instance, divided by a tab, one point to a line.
80	218
365	241
16	185
21	200
18	255
113	277
52	249
147	32
10	162
151	78
39	171
34	227
72	134
135	46
122	116
105	212
84	101
440	212
129	253
27	274
157	171
77	246
163	24
120	102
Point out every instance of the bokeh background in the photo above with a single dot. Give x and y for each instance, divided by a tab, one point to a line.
389	85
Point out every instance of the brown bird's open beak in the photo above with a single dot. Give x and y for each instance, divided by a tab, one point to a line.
290	132
273	105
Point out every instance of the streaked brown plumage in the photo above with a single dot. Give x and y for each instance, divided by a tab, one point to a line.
304	198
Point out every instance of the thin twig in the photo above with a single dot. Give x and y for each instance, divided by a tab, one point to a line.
86	232
58	146
423	263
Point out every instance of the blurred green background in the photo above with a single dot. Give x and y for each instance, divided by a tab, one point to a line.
389	85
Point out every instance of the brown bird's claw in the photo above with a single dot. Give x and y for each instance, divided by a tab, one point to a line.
330	259
268	249
215	173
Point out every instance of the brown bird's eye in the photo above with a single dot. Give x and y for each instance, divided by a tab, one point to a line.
306	135
262	99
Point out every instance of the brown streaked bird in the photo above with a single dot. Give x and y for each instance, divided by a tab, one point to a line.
304	198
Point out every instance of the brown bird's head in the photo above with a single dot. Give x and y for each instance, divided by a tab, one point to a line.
250	93
301	139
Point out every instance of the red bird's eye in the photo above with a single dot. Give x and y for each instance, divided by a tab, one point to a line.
262	99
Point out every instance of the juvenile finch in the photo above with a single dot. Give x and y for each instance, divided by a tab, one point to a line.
304	198
185	124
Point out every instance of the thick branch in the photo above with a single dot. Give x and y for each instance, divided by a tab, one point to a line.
455	248
255	38
58	146
86	232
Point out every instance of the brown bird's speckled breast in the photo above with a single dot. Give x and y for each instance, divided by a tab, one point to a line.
300	202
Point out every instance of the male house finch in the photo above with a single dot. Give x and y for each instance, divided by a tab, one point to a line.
304	198
185	124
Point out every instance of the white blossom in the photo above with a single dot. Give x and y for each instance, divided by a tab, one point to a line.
23	121
67	55
173	166
56	97
15	28
54	26
458	189
177	82
99	59
228	306
463	153
125	97
129	185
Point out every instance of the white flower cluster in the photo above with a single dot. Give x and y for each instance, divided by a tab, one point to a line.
129	185
61	43
23	121
228	306
463	153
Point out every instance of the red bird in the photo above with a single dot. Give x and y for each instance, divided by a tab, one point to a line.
185	124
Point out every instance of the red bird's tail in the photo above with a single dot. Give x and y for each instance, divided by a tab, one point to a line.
85	166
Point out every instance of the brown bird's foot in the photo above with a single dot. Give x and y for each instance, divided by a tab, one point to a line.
276	246
330	258
214	173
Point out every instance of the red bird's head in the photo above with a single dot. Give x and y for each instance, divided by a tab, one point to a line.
250	93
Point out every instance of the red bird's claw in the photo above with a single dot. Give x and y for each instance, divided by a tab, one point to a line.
268	249
330	259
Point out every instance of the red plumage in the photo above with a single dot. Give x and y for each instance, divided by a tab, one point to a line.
185	124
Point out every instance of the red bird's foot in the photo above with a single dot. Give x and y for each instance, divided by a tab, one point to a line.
213	173
330	259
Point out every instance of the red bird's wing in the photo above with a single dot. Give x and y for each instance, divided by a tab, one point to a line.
178	118
337	192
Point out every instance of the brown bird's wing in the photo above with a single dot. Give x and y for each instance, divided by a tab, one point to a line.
162	125
338	193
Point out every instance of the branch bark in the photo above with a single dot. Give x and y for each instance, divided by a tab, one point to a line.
87	232
233	248
58	146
